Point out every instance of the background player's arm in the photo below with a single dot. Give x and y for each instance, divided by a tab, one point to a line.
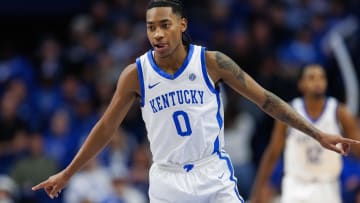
223	68
349	126
268	161
123	98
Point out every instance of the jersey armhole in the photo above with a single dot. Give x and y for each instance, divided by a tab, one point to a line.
209	83
141	80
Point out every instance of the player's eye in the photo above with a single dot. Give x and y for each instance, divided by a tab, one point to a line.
165	25
151	27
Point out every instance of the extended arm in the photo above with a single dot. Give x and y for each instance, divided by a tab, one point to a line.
101	133
222	68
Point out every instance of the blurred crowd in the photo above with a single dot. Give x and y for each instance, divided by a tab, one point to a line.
51	98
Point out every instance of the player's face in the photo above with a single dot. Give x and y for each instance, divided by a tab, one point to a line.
164	30
313	82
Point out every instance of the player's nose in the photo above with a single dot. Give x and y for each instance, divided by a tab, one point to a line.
158	34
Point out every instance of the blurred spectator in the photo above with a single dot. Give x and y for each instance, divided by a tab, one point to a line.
117	155
107	69
59	138
24	98
50	64
280	31
46	100
13	66
84	115
139	168
91	185
122	45
11	128
8	189
99	13
300	51
123	191
239	129
33	169
298	14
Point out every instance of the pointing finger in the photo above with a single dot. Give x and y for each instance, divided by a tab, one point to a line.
348	141
39	186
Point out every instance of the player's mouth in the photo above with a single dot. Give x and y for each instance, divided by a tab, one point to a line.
160	47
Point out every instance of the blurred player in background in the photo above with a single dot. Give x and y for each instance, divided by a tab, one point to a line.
177	85
311	173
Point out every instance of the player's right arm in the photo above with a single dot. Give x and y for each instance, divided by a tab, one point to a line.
268	161
125	94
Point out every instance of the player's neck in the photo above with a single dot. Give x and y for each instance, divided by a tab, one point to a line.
314	106
174	61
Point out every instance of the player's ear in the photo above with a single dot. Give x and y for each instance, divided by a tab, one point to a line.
183	24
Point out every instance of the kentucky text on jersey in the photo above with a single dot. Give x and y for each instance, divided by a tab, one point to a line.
174	98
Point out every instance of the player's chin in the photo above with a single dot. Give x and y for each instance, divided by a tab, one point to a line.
162	53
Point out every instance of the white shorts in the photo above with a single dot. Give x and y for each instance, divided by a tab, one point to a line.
210	180
298	191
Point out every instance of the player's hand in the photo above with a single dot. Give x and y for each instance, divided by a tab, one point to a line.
53	185
337	144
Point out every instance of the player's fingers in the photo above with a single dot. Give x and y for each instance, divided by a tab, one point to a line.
48	190
54	192
347	140
39	186
336	149
346	148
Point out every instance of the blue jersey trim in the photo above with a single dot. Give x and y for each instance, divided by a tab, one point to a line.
216	145
141	80
211	87
232	177
218	114
166	75
204	71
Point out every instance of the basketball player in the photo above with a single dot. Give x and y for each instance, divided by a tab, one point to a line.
311	172
177	85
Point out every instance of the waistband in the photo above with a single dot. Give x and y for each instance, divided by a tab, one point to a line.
187	167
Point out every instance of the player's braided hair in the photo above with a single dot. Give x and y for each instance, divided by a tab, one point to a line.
178	9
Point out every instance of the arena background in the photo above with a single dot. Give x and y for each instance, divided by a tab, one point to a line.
59	63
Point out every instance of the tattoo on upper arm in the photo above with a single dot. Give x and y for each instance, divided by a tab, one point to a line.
282	111
225	62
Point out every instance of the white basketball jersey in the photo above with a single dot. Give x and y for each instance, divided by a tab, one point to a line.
183	112
304	157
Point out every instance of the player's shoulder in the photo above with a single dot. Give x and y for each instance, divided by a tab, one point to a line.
213	56
131	70
341	108
129	76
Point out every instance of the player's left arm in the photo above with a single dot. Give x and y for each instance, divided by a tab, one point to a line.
349	126
222	68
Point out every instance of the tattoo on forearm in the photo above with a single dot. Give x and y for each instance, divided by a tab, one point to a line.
225	62
279	109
